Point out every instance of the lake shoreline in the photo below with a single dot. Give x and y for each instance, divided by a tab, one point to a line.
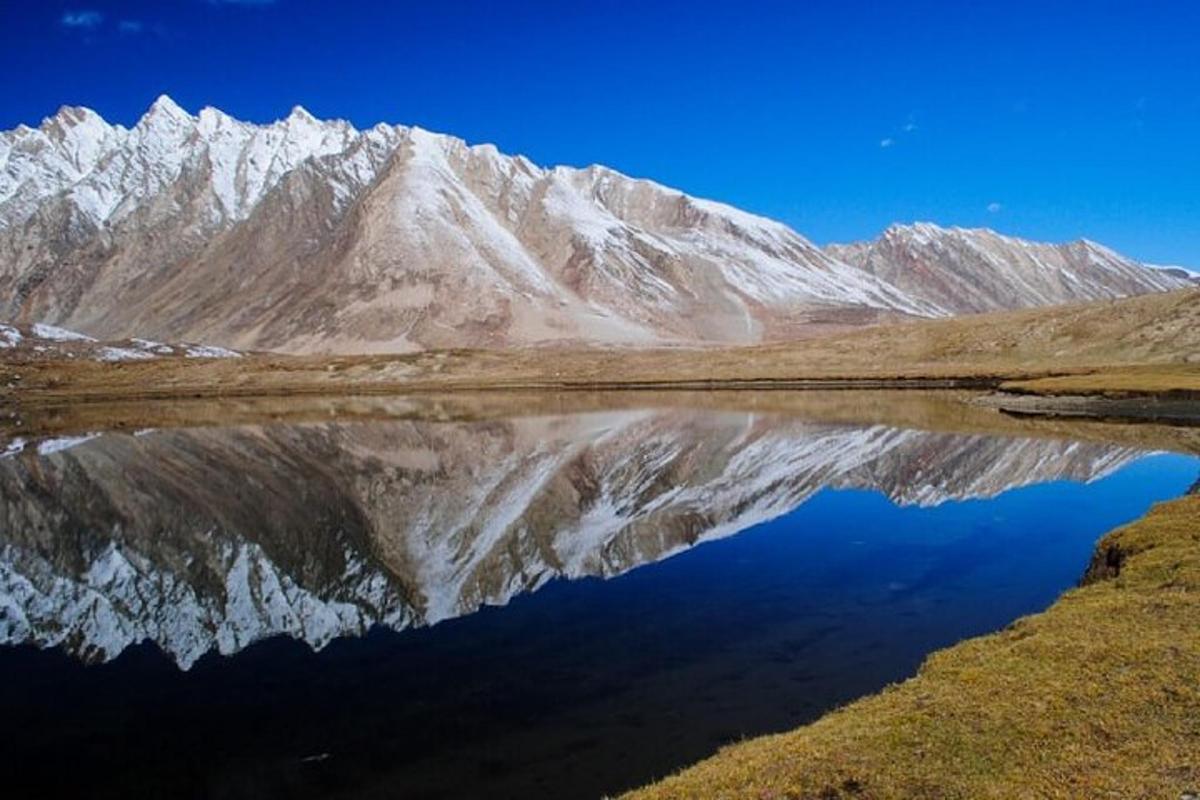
1162	408
1098	348
1096	696
1166	393
778	562
945	732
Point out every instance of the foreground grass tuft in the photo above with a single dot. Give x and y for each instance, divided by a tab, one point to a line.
1098	697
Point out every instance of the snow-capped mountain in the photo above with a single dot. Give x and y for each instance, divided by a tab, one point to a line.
305	236
309	235
969	270
211	539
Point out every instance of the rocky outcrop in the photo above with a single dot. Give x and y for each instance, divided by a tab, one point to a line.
39	342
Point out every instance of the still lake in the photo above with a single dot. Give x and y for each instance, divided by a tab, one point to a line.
555	606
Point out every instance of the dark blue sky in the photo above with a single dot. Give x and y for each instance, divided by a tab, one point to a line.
1067	118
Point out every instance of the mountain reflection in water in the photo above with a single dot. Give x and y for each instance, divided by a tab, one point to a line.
207	541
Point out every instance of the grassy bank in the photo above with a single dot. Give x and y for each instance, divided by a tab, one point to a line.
1164	393
1136	381
1097	697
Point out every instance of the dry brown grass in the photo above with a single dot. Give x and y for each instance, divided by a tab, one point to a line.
1161	330
1118	382
1098	697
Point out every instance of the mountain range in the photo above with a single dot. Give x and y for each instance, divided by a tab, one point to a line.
312	236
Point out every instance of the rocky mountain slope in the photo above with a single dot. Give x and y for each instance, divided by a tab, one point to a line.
966	271
211	539
311	236
38	342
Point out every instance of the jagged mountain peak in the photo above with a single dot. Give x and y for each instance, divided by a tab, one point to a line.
300	114
212	117
164	107
908	228
72	116
310	235
393	238
930	232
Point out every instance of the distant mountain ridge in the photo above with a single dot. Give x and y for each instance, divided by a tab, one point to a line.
973	270
312	236
1178	272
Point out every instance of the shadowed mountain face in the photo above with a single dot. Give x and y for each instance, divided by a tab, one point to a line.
212	539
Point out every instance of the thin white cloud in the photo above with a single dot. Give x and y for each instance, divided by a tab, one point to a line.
909	126
994	208
131	26
81	19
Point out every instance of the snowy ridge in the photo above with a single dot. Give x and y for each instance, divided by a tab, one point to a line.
312	236
970	270
424	239
105	169
1177	271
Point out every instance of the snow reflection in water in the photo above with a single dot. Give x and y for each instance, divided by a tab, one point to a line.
863	549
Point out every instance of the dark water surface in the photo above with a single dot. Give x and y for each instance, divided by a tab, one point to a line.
554	607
